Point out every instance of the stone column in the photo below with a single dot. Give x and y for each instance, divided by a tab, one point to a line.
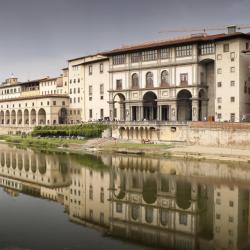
195	110
111	111
173	112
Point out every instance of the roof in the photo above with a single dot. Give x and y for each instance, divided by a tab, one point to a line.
177	41
34	97
94	61
49	79
83	57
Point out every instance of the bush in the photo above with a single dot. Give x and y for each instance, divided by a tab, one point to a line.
85	130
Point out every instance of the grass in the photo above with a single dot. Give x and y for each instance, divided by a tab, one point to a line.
40	142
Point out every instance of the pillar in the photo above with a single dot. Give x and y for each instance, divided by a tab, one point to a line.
173	112
195	110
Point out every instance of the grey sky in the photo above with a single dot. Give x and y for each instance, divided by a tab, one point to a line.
38	36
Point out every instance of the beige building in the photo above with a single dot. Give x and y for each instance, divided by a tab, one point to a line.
196	78
88	81
32	103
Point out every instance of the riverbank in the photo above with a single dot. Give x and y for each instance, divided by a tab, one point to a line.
174	150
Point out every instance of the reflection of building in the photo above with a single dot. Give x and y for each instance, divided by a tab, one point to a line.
160	202
33	168
160	209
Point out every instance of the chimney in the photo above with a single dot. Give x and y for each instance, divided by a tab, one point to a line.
231	29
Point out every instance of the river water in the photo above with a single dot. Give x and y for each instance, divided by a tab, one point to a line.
61	201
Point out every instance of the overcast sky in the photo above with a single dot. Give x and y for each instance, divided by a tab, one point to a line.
38	36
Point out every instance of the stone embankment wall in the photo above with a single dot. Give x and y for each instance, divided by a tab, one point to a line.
196	133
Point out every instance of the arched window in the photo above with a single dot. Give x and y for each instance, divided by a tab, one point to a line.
149	80
164	78
135	81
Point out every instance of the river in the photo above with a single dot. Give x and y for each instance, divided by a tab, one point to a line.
68	201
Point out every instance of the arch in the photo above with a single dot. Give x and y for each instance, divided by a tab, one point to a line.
13	117
26	116
26	163
2	159
42	167
19	117
7	160
14	162
149	192
149	80
20	162
135	81
63	116
184	105
150	106
33	163
7	117
119	107
33	116
1	117
41	116
183	194
164	78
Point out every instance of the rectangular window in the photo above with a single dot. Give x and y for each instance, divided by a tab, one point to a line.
149	55
135	57
90	69
219	84
118	207
101	67
219	116
101	113
90	114
119	59
164	53
219	71
207	49
232	69
101	89
183	219
232	83
219	57
119	84
54	103
182	51
184	78
90	90
219	100
232	99
226	47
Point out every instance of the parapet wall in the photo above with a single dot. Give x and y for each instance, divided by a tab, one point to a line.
198	133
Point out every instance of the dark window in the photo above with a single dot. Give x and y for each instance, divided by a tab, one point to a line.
90	69
149	80
135	81
184	51
164	78
119	84
164	53
90	114
149	55
135	57
120	59
226	47
101	67
207	49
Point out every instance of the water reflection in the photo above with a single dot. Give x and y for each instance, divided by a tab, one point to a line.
164	203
